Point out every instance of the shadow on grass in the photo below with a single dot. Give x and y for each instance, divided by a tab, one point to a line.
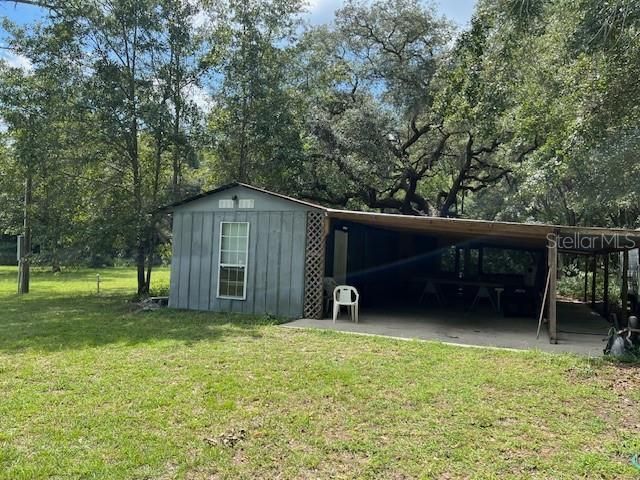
60	322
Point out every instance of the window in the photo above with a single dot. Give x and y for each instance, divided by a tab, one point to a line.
232	274
448	259
472	268
506	261
246	203
225	203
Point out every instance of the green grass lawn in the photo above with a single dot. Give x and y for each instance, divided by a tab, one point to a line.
90	387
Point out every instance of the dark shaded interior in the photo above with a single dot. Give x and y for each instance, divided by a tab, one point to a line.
393	268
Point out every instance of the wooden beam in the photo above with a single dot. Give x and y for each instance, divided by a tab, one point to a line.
594	265
552	260
606	286
625	287
326	227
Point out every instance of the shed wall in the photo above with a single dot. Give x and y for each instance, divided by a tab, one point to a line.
275	263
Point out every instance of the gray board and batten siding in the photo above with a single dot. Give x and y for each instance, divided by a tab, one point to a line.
275	267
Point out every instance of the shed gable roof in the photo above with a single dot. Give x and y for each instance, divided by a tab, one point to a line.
250	187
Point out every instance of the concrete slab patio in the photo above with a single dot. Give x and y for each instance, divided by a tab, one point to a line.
580	330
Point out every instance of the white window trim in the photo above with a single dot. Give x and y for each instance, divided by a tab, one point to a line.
245	266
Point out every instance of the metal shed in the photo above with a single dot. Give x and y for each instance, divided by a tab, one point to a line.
239	248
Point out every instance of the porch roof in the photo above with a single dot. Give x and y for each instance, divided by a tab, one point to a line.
572	239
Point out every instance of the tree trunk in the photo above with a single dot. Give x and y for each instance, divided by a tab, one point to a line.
25	254
175	183
177	113
150	261
143	288
151	233
141	236
242	167
452	197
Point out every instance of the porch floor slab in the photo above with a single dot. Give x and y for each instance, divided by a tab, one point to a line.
580	330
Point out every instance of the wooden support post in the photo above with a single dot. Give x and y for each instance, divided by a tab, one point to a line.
594	265
586	277
467	261
606	285
624	292
544	304
552	261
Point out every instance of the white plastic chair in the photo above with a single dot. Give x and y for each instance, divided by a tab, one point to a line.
328	286
347	296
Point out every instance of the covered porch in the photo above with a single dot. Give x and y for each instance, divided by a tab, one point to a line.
465	281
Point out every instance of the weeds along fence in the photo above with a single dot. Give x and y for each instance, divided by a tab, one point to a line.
571	284
120	281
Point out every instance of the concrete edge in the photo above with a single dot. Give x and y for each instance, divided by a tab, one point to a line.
440	342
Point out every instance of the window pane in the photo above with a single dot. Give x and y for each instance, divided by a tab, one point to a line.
226	257
232	281
234	258
224	274
243	242
242	229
